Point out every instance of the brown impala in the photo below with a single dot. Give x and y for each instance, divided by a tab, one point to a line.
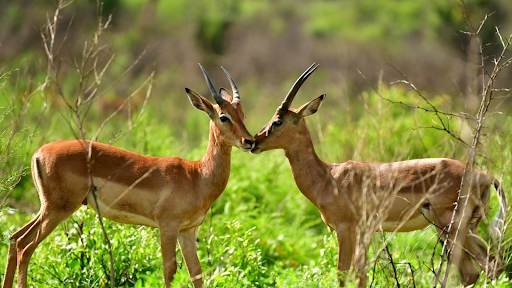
419	192
168	193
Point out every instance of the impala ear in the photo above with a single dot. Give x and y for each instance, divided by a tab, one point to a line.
199	102
225	94
311	107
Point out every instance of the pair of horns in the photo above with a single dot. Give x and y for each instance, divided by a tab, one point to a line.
236	95
295	88
215	94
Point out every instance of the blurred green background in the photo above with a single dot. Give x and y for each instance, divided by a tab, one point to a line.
261	232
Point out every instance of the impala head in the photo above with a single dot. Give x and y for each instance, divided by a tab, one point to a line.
287	124
227	116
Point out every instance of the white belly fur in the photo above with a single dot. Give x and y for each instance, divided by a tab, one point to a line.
419	222
120	216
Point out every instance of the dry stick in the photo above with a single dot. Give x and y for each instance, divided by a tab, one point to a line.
22	165
412	274
437	112
148	93
26	101
93	96
88	55
51	30
93	188
88	150
97	82
411	212
434	110
486	99
408	263
490	90
441	127
374	271
447	129
393	266
22	112
484	106
94	194
381	210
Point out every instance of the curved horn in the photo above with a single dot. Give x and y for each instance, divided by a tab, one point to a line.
236	94
291	94
214	92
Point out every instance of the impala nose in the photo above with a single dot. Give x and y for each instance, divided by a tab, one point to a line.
248	142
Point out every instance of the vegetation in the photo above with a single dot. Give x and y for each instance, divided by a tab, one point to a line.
261	232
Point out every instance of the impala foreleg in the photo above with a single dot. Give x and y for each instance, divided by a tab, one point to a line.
187	241
346	234
470	247
490	264
168	240
476	249
467	270
458	240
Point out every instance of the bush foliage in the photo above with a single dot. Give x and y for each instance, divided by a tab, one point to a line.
261	232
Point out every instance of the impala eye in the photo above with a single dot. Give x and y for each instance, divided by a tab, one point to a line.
223	118
278	122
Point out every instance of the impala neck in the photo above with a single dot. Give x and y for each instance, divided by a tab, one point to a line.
308	170
216	163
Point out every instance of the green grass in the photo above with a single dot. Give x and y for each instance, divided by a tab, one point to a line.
261	232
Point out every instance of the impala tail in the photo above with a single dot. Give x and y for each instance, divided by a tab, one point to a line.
37	175
499	219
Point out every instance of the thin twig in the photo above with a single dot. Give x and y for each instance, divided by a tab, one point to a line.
393	266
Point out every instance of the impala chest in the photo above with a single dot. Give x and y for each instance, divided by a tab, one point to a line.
193	221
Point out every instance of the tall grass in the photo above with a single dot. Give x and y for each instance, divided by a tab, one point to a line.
261	232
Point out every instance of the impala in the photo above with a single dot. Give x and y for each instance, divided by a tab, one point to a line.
419	192
168	193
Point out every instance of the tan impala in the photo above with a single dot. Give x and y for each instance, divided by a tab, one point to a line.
168	193
420	192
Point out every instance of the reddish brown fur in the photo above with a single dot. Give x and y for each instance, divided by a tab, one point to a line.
419	186
170	193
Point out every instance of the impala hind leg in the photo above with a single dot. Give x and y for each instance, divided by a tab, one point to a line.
187	240
42	225
10	269
12	256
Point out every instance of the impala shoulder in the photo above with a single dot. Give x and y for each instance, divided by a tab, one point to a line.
355	166
444	162
451	165
169	161
338	169
172	164
342	171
